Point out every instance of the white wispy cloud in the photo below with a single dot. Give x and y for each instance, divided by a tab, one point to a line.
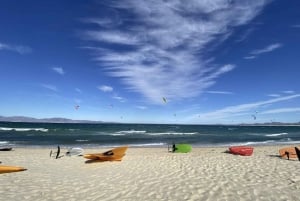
50	87
295	26
274	95
119	98
78	90
59	70
117	37
15	48
245	35
243	108
269	48
141	107
165	42
250	57
282	93
220	92
282	110
102	22
289	92
255	53
105	88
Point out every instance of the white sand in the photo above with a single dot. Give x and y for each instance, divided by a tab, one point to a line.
152	174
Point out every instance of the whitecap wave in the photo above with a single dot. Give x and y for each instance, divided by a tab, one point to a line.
81	140
130	132
173	133
276	134
117	134
23	129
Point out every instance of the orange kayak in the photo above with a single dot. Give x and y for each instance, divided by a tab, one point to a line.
111	155
8	169
288	152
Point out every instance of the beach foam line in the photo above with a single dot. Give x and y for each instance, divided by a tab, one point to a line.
276	134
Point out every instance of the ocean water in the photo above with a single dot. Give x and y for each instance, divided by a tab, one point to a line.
142	135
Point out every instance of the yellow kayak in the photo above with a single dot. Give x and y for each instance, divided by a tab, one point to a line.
8	169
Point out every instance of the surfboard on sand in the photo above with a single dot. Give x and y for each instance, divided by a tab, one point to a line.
9	169
111	155
74	151
288	152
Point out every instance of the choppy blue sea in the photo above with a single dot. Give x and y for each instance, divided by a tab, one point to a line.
143	135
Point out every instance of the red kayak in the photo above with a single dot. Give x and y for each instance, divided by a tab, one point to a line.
241	150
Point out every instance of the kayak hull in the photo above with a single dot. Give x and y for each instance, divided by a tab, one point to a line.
5	148
288	152
241	150
112	155
102	157
9	169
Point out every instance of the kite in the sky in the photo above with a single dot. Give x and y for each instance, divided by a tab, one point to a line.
76	107
254	116
164	99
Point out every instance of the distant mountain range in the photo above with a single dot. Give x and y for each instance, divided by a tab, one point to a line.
65	120
273	124
44	120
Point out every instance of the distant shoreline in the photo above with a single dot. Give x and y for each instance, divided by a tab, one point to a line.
24	119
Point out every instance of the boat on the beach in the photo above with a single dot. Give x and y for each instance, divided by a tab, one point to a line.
5	148
288	152
241	150
9	169
111	155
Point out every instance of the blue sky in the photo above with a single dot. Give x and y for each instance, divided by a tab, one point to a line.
151	61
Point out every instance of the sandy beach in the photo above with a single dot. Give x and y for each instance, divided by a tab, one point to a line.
152	174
